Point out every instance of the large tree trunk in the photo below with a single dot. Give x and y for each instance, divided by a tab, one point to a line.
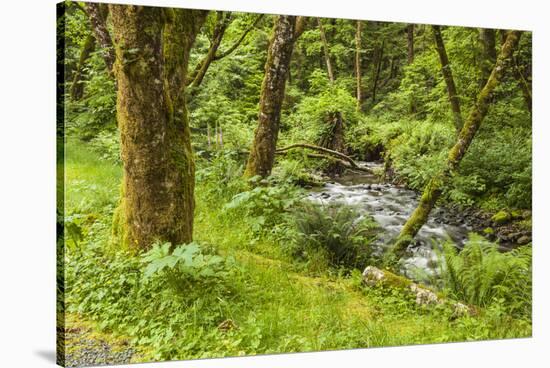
262	154
435	187
448	77
152	53
489	53
98	13
358	63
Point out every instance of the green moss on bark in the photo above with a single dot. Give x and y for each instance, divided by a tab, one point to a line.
435	187
262	153
152	52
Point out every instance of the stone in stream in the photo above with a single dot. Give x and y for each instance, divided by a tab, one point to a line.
525	239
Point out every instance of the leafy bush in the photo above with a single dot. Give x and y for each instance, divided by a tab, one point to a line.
266	205
221	176
106	144
501	159
309	122
185	266
120	294
479	274
96	112
335	232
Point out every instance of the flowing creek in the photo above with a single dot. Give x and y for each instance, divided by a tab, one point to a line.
391	206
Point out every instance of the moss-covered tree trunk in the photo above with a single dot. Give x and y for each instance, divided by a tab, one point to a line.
98	13
77	86
262	153
358	63
448	77
152	51
436	186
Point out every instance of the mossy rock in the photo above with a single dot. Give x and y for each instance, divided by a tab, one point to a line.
488	231
501	217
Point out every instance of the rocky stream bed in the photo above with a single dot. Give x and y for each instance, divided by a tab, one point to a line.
391	205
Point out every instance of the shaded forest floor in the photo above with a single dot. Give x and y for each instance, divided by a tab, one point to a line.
268	304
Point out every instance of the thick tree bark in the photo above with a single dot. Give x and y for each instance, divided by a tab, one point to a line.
98	13
410	44
489	53
262	154
435	187
326	51
448	77
152	52
77	86
358	63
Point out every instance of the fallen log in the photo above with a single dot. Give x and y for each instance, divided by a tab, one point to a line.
346	160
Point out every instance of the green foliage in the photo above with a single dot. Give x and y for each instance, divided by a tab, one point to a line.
222	176
106	144
501	160
479	274
334	233
266	206
96	112
185	266
262	305
246	295
309	122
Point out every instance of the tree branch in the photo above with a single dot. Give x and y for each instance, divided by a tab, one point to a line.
340	156
239	41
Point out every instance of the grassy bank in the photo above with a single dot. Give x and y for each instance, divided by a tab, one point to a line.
265	301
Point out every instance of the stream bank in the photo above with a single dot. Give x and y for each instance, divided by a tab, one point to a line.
390	205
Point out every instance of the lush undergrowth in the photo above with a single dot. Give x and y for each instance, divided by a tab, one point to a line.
241	289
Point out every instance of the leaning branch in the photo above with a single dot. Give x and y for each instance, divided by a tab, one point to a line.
239	41
340	156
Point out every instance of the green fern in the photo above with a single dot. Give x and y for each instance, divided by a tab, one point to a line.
481	275
337	231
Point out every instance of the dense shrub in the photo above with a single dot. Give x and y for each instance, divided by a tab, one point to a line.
482	275
96	112
334	233
266	206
